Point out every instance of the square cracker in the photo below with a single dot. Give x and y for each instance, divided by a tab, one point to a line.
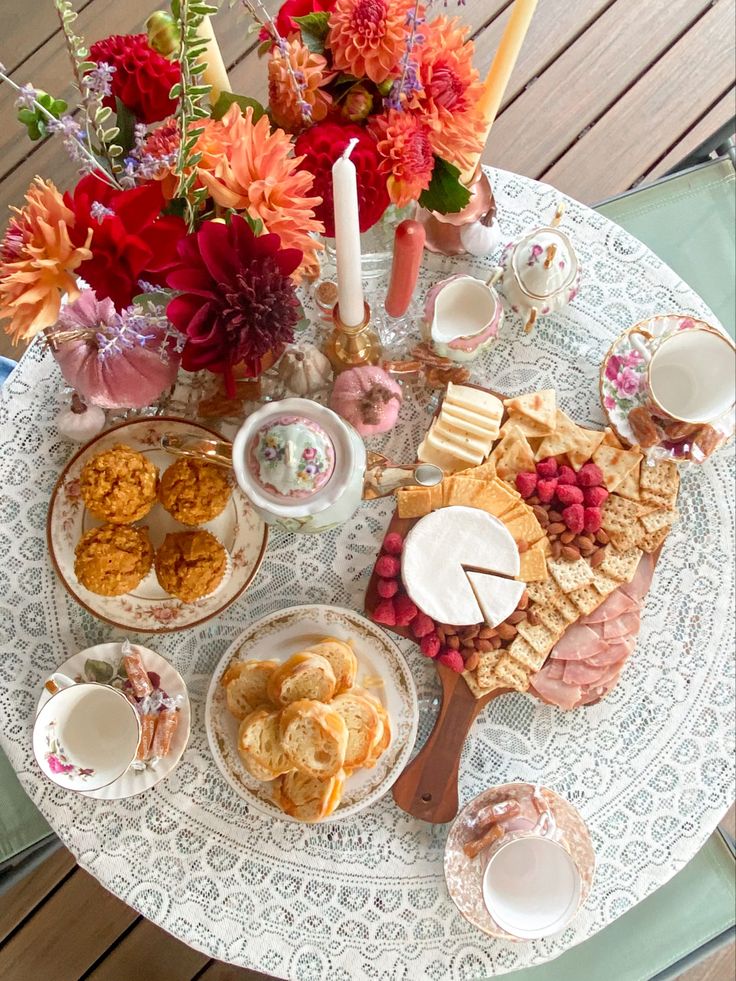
525	655
540	407
566	607
463	490
543	592
541	638
413	502
603	583
587	598
510	674
524	527
651	541
570	575
618	514
661	480
576	443
485	671
616	464
621	565
629	486
496	497
486	471
472	682
533	564
656	520
552	618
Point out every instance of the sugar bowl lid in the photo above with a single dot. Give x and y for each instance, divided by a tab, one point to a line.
544	262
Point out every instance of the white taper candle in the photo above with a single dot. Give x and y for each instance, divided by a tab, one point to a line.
347	239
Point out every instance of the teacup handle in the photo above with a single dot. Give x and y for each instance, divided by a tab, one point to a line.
638	336
496	274
57	681
217	451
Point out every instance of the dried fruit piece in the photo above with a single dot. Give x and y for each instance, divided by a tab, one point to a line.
546	489
388	567
574	517
566	475
595	496
387	588
452	660
385	613
393	543
430	645
570	494
406	610
526	483
422	625
590	475
548	467
592	519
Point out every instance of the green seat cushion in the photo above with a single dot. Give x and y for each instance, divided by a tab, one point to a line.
21	824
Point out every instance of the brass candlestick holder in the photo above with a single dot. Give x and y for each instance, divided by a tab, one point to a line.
450	234
350	347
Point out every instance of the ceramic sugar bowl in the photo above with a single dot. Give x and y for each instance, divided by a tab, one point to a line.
540	273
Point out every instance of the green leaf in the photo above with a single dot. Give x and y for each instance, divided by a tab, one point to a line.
159	298
314	28
226	99
126	125
175	91
264	47
445	193
256	224
99	671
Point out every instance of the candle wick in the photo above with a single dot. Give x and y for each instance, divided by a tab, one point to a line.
349	148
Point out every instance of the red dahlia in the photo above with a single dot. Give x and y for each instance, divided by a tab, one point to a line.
321	145
237	302
285	23
132	240
142	78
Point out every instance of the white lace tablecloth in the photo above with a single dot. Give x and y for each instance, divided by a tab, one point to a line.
650	768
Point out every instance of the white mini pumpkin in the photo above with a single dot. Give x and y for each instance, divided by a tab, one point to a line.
304	370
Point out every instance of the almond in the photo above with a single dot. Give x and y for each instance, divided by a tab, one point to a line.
532	618
471	662
598	556
516	617
554	515
485	633
570	552
566	537
468	643
449	630
506	631
586	548
453	643
441	634
557	528
496	643
556	549
470	632
602	536
533	500
484	645
524	601
541	515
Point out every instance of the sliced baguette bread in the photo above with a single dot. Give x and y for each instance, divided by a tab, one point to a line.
314	738
259	745
304	675
307	798
364	726
342	659
246	686
383	733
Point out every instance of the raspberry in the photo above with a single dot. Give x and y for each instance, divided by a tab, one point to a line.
547	467
405	610
387	588
393	543
590	475
546	490
385	612
595	496
452	660
422	625
567	475
592	519
574	517
388	567
568	494
526	483
430	645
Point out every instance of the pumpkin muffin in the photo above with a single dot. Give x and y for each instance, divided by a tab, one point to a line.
194	491
119	485
191	564
112	560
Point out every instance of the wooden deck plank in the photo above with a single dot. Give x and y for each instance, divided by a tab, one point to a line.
625	137
148	951
67	934
717	116
582	84
22	34
30	892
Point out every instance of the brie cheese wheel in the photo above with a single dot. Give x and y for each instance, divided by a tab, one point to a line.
438	548
496	597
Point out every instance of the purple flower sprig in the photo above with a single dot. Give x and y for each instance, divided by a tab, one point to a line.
408	82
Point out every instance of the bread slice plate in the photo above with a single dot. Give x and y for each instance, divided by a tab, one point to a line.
281	634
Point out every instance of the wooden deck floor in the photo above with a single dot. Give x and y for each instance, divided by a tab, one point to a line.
606	94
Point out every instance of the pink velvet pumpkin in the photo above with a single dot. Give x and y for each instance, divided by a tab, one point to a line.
128	377
368	398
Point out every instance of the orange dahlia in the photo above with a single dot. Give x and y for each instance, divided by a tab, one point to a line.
367	37
291	109
404	141
37	261
247	167
449	88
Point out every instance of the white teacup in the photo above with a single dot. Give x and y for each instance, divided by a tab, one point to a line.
531	884
691	373
86	735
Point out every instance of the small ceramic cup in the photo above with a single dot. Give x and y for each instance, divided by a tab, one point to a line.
690	373
531	884
86	735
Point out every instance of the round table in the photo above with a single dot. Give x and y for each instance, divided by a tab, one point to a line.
650	767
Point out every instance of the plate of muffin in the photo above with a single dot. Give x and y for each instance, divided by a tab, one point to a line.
312	714
149	541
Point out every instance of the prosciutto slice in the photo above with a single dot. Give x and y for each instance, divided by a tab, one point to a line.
587	661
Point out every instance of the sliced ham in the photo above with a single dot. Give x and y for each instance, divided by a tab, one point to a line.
616	650
582	673
555	669
577	643
639	585
556	692
614	605
622	626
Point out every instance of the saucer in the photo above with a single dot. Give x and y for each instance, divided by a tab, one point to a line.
133	781
623	382
464	876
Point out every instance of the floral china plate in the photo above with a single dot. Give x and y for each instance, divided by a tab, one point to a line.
101	663
464	875
381	669
623	380
148	609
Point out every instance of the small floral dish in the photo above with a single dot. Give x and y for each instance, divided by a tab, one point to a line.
103	665
464	875
623	385
381	669
148	608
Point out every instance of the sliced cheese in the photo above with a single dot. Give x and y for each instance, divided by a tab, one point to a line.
488	436
473	420
438	548
461	452
445	461
460	435
497	598
474	399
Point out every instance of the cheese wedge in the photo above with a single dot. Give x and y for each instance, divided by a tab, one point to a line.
496	597
460	435
474	399
453	447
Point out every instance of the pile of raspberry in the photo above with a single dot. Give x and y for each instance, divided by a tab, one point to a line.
578	497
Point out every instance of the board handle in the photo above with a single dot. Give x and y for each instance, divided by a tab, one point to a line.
427	789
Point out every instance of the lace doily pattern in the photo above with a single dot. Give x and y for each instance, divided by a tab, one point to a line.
650	767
